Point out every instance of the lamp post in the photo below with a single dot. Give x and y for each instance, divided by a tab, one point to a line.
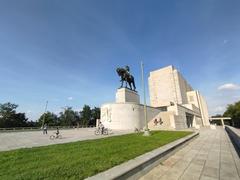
146	131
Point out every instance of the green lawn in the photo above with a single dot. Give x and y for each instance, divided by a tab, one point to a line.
79	160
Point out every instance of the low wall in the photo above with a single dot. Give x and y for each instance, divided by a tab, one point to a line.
141	165
234	134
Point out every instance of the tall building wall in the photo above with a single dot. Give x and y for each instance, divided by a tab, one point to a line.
204	110
167	85
182	87
162	89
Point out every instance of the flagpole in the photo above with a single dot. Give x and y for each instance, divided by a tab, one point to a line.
146	131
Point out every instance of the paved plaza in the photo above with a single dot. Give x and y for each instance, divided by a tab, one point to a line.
210	156
16	140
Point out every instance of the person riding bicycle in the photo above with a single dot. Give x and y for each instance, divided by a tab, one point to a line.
101	127
57	133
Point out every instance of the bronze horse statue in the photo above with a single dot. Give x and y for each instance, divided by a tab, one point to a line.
127	77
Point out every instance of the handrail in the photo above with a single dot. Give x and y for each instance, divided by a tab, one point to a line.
39	128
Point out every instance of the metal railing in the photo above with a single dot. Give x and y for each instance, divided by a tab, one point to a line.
16	129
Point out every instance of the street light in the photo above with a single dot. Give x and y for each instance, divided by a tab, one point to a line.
146	131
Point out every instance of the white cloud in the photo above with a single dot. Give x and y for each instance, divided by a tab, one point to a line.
229	86
219	109
70	98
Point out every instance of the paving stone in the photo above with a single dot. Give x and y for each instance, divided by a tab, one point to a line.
198	161
211	156
207	178
213	163
211	172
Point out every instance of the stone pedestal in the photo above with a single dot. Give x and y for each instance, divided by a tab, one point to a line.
124	95
126	113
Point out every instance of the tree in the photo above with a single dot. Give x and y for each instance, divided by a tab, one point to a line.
95	114
85	115
10	118
49	118
233	111
69	117
217	115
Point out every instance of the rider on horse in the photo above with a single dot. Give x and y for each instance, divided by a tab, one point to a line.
125	75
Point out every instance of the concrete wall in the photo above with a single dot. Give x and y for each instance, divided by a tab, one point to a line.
234	134
194	97
167	85
126	95
181	87
126	116
204	110
167	121
162	87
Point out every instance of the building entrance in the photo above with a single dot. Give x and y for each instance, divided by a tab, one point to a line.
189	119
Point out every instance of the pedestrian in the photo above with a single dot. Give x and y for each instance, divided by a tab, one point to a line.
160	121
45	129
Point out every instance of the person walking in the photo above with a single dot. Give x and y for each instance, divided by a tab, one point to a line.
45	129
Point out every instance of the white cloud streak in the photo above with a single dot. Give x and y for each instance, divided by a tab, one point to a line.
70	98
229	86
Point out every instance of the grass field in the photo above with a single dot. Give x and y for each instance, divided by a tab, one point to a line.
82	159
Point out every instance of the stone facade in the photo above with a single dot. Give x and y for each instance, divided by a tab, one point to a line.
124	95
126	113
169	90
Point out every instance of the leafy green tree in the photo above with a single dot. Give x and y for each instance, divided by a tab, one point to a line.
217	115
95	114
233	111
85	115
69	117
10	118
49	118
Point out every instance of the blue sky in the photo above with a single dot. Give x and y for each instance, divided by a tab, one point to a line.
66	52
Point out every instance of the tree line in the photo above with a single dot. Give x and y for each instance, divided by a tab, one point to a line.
232	111
9	117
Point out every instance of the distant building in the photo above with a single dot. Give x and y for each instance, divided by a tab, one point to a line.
182	106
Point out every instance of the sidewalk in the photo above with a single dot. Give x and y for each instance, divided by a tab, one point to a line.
210	156
28	139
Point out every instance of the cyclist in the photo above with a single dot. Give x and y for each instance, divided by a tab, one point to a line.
101	127
57	133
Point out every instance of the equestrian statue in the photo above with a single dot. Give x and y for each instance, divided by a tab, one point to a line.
126	77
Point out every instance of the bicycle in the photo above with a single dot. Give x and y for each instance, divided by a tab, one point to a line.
136	130
98	131
57	136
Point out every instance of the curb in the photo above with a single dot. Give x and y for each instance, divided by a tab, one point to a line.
234	135
137	167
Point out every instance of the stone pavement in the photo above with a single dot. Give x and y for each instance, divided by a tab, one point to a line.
27	139
210	156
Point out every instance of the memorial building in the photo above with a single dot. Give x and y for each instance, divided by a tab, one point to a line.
174	104
181	105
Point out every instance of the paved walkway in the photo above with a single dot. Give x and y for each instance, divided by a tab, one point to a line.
210	156
16	140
